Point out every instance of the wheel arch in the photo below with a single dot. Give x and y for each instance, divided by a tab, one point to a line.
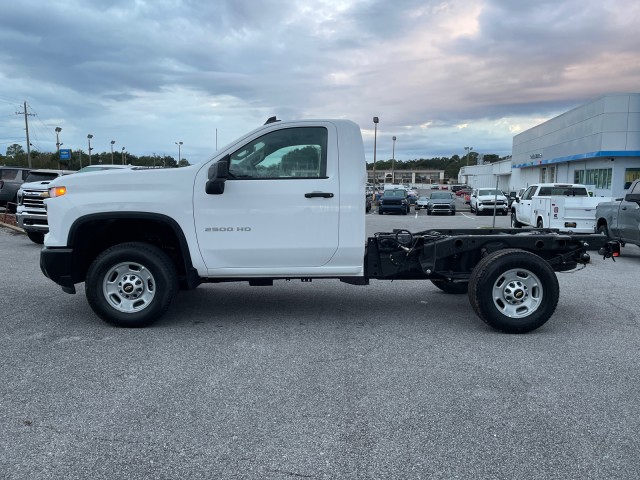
601	222
92	234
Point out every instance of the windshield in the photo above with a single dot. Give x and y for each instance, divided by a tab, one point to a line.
394	193
441	195
40	176
489	191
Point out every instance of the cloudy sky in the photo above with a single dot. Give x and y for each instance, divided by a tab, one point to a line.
440	74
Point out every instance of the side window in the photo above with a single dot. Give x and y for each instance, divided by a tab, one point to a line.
9	174
527	193
288	153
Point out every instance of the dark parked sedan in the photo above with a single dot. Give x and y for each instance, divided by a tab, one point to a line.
441	202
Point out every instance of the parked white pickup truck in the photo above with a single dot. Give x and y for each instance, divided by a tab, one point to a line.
282	202
567	207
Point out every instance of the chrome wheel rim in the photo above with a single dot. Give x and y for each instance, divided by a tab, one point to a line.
517	293
129	287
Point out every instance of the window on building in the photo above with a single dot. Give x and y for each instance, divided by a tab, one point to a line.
598	177
630	174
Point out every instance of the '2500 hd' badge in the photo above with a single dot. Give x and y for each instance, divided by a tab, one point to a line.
227	229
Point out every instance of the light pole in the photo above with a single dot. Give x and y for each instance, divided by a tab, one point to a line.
468	149
393	160
112	142
89	137
375	138
123	155
179	145
58	130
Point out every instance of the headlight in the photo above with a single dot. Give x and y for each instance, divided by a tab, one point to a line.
57	191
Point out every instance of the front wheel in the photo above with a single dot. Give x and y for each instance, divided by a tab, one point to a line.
131	284
514	291
514	220
36	237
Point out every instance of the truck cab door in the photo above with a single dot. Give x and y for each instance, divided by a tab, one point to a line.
279	206
524	206
629	216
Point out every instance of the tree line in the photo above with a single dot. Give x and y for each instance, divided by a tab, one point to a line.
17	157
450	165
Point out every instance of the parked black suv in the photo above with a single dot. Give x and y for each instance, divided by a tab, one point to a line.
10	180
395	200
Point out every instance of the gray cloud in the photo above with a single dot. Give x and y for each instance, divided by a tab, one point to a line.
440	74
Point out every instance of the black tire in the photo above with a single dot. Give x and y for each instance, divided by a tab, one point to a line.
514	222
12	206
603	230
453	212
36	237
428	212
451	287
514	291
380	212
131	284
404	211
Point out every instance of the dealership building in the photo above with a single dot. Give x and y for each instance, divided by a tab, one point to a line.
597	144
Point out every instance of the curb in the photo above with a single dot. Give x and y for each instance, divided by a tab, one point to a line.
12	227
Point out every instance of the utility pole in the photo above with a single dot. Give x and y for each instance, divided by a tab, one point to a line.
26	127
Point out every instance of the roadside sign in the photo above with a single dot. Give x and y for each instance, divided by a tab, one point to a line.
65	154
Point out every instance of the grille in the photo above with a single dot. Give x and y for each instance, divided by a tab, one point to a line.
33	199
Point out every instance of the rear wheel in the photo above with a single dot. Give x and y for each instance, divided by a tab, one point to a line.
131	284
36	237
514	291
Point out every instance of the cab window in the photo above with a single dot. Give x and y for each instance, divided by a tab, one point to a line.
289	153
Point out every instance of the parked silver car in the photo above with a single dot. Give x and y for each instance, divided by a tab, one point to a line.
441	202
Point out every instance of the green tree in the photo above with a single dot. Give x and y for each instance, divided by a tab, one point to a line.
15	150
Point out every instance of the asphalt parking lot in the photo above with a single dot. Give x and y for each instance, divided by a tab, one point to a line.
395	380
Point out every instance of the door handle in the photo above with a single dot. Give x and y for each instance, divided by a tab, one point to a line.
318	194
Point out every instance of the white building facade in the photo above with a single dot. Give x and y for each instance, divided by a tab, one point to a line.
597	144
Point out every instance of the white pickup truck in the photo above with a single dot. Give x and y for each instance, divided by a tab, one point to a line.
566	207
282	202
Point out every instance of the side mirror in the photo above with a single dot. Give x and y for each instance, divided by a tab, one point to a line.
633	197
517	199
218	174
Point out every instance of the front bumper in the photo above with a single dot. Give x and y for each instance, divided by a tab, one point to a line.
441	208
56	264
393	208
483	207
32	222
